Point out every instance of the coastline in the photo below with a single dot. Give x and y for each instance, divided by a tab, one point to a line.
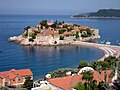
96	17
108	50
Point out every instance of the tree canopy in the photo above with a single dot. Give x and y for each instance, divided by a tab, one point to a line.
28	84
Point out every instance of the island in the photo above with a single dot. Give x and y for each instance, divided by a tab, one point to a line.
55	33
102	13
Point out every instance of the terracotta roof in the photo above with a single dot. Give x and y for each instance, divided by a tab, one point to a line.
31	32
33	28
25	72
64	29
67	33
96	75
1	75
74	30
49	23
58	28
61	34
65	82
83	27
13	73
70	81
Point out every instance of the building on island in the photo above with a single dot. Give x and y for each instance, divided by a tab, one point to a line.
55	33
14	77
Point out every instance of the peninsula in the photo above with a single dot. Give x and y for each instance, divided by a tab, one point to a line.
102	13
55	33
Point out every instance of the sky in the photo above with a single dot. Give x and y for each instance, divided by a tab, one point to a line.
55	7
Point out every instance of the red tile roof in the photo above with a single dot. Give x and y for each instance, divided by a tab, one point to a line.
58	28
33	28
67	33
96	75
83	27
1	75
70	81
65	82
49	23
13	73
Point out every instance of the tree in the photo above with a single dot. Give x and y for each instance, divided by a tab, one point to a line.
26	30
87	76
75	25
82	64
61	72
77	35
80	86
27	27
44	23
54	25
28	84
61	38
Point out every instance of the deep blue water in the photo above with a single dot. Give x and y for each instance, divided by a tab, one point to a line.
45	59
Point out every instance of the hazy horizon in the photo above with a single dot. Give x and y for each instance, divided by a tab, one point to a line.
55	7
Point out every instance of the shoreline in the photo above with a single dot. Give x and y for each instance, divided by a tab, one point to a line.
108	50
96	48
96	17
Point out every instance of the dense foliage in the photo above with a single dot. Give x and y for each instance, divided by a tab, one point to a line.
28	84
62	72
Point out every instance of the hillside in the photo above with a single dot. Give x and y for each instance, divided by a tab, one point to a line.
101	13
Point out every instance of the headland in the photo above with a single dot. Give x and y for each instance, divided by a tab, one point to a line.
102	13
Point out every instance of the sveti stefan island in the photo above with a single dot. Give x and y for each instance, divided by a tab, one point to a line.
60	45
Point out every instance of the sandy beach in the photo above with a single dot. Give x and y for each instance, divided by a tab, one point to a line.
109	50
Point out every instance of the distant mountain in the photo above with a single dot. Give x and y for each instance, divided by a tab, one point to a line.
101	13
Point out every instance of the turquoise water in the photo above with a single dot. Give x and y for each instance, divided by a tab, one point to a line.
42	60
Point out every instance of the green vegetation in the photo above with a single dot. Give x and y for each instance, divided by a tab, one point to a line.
86	32
28	84
61	72
108	63
4	88
27	27
33	36
82	64
61	31
77	35
43	22
80	86
90	84
24	35
61	37
75	25
87	76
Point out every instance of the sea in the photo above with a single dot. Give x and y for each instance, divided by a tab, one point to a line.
44	59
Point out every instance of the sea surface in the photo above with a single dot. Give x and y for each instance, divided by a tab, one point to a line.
42	60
